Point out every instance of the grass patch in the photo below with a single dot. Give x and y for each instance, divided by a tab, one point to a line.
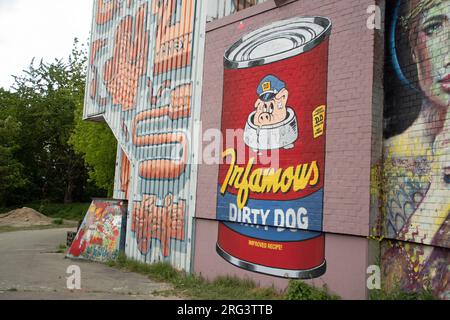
298	290
72	211
58	221
398	294
45	227
223	288
61	248
196	287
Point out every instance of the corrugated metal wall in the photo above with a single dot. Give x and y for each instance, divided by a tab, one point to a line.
145	81
122	175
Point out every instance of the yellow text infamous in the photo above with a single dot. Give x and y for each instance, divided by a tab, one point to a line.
246	180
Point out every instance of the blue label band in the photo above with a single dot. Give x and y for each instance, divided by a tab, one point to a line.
271	233
304	214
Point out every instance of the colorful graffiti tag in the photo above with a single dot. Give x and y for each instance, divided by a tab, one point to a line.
270	186
99	235
141	82
416	149
416	267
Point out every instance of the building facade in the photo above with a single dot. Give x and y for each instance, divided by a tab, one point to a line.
277	140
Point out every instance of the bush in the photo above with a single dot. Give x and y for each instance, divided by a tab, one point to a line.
399	294
195	286
299	290
58	221
222	288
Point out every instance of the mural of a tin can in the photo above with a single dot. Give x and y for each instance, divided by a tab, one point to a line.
271	182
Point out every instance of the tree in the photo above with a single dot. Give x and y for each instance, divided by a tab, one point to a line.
11	174
97	144
93	140
47	95
47	151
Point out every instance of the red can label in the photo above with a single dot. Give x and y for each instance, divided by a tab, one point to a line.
270	184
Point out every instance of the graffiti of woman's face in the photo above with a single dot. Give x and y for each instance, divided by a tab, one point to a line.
431	36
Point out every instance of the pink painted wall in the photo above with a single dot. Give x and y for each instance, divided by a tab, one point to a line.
349	135
346	263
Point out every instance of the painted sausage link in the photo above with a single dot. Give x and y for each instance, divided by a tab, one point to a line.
162	168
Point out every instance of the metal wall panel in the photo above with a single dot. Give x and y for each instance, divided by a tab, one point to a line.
122	175
144	80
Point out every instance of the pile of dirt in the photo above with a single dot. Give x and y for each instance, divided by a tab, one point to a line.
24	217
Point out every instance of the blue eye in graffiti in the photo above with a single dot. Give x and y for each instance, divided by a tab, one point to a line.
447	176
433	28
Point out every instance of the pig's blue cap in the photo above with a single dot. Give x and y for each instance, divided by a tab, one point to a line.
269	87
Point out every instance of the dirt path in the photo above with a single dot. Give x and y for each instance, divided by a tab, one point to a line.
30	269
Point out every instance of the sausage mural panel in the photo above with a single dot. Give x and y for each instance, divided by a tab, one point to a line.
271	181
416	150
141	82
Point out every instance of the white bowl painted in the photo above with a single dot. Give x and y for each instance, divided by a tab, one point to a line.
272	137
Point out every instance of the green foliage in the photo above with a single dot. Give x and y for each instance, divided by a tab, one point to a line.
61	248
196	287
11	170
222	288
72	211
39	119
396	291
158	272
44	100
299	290
399	294
7	228
96	143
58	221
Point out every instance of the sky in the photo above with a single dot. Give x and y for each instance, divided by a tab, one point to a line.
41	29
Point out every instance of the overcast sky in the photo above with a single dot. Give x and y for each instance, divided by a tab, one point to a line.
41	29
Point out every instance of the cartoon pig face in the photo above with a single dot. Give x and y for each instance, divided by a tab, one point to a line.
273	111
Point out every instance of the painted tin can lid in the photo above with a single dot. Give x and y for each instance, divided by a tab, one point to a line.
277	41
